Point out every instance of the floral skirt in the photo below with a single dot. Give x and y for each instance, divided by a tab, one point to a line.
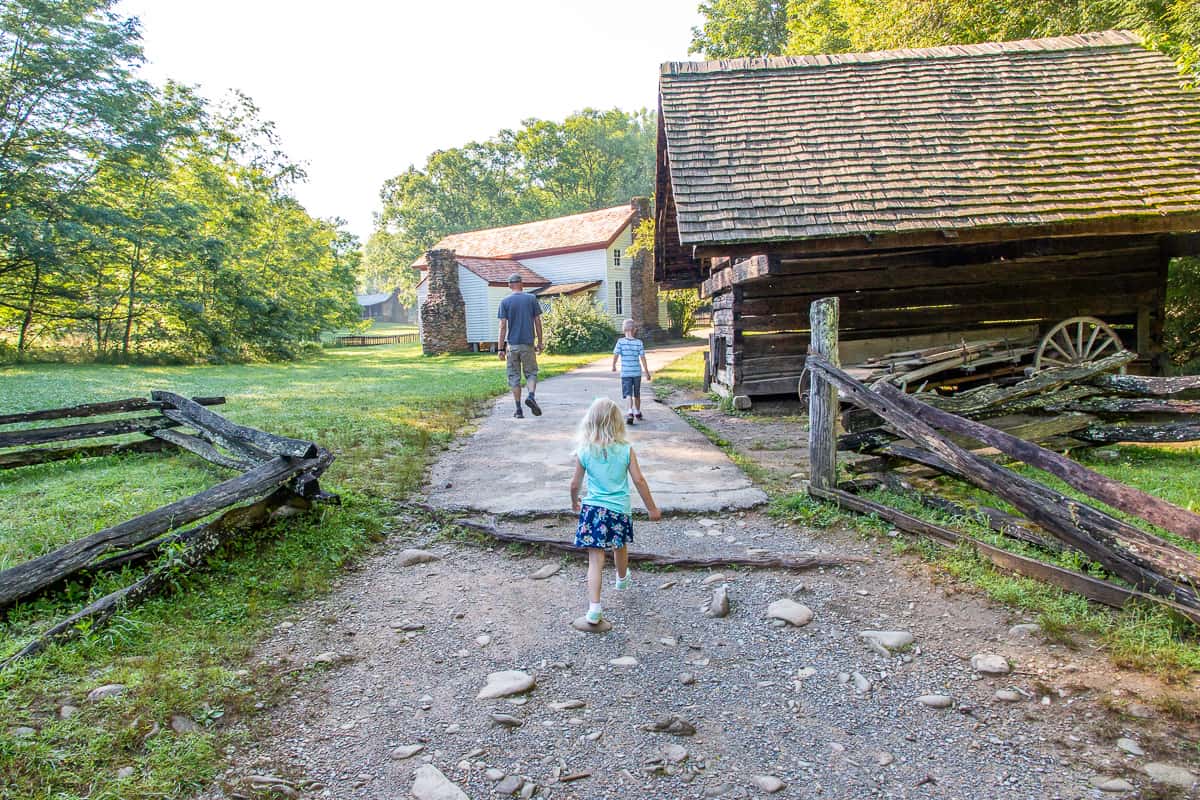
603	528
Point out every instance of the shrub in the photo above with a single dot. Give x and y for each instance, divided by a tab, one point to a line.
577	325
681	310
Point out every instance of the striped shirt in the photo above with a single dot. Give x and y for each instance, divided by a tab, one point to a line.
630	350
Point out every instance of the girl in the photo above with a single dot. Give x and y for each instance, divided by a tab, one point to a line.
604	455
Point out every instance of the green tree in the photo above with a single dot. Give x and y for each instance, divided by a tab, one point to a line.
741	28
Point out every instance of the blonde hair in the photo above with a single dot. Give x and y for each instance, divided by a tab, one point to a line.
601	426
628	325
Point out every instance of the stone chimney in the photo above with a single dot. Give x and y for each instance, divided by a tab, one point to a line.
643	291
444	312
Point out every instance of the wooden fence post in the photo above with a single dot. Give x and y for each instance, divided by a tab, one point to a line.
822	396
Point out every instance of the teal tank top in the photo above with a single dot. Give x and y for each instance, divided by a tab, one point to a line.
607	471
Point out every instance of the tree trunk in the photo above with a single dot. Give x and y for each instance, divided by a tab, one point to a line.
27	317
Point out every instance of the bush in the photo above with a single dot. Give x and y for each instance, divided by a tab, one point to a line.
1182	330
577	325
681	310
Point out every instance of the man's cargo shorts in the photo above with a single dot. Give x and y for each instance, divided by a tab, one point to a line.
521	358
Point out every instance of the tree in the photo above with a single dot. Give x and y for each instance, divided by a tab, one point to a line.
741	29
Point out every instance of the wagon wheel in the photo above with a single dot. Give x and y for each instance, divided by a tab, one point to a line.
1075	341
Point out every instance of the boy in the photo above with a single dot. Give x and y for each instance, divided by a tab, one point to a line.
632	355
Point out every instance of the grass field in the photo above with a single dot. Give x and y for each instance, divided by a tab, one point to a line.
382	411
1146	638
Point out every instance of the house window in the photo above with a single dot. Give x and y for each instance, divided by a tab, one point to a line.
617	295
616	258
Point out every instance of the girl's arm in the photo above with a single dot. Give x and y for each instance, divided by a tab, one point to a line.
639	480
576	483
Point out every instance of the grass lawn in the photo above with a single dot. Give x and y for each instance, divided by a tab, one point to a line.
383	411
1143	637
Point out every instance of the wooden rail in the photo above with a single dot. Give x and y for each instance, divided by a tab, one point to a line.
371	341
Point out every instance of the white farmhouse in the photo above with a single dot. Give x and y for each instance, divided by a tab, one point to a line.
578	254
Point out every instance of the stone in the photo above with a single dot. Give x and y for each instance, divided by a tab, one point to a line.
718	605
22	732
1130	746
483	640
1140	711
667	585
741	402
545	572
1025	630
889	641
506	721
505	683
769	783
674	753
790	612
716	577
990	664
566	705
623	661
884	758
936	700
1170	774
430	784
124	773
328	657
105	691
687	678
411	557
444	312
673	724
1007	696
509	784
1113	785
67	711
406	751
528	789
581	624
805	672
861	684
493	774
181	723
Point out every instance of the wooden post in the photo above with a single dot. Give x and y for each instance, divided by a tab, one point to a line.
822	396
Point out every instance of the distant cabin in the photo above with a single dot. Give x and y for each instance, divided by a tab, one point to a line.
578	255
383	307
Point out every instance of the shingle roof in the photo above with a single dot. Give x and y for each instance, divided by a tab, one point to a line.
496	270
561	234
372	299
563	289
1033	132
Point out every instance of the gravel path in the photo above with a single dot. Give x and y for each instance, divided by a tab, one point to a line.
771	704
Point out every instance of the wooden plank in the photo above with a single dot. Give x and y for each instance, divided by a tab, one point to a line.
1163	433
1092	588
823	397
1145	385
1093	484
225	431
1141	559
1127	405
34	575
45	455
96	409
84	430
203	449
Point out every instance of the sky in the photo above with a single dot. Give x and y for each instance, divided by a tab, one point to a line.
362	89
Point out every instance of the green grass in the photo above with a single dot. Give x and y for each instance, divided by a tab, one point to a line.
382	411
683	373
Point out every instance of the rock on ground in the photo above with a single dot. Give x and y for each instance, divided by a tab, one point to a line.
990	664
790	612
1170	774
410	558
430	784
505	683
769	783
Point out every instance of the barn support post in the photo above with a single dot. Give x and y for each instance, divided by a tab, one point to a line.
822	396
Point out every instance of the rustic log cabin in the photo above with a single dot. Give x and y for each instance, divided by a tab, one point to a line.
943	194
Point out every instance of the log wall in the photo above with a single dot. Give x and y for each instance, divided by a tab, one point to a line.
931	295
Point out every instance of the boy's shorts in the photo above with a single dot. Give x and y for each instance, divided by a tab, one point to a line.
521	358
631	386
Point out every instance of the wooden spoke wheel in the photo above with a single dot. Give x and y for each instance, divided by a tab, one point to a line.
1075	341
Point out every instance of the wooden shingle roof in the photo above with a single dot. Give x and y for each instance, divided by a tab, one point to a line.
496	270
591	229
1032	133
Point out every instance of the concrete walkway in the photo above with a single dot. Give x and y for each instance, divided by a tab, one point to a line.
524	466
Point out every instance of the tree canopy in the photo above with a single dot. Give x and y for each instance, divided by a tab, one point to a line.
590	160
745	28
138	220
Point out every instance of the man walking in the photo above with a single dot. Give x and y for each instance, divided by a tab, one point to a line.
520	318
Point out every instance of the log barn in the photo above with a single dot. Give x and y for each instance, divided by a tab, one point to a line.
943	194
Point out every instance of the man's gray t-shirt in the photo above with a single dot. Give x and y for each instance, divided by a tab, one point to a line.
519	309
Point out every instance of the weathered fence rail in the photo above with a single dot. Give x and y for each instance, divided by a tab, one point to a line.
274	472
371	341
1159	570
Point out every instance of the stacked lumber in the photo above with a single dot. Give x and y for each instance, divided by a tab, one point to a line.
1064	408
274	472
948	366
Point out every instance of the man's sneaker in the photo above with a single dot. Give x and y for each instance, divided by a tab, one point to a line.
624	583
639	416
533	406
629	419
592	617
519	414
